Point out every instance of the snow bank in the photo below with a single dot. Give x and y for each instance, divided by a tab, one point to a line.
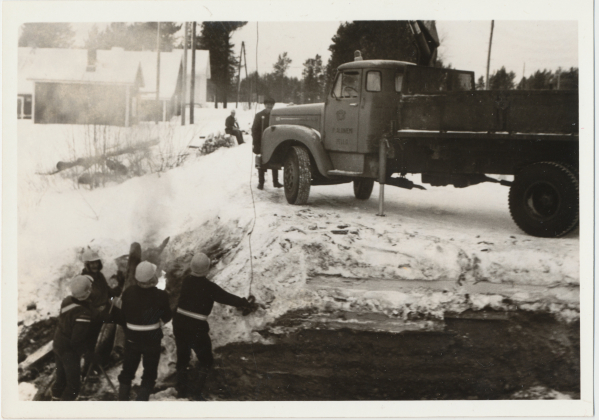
437	250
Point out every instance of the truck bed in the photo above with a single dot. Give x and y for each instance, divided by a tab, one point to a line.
419	151
513	111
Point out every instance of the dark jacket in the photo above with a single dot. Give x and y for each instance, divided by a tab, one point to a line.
144	306
73	326
257	129
198	295
231	124
100	296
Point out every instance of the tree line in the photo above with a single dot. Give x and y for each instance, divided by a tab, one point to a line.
391	40
541	79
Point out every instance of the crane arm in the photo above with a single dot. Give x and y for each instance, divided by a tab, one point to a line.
426	40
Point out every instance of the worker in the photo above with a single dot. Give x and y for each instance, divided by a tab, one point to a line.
144	309
261	121
232	127
99	301
190	323
70	339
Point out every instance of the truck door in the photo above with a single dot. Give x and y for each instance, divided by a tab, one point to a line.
342	111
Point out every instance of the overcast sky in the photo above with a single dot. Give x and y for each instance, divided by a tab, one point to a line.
537	45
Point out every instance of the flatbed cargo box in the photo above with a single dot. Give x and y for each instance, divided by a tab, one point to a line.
514	111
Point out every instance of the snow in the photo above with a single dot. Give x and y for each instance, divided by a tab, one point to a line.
27	391
438	250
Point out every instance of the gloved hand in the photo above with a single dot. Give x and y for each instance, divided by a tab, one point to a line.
250	306
117	302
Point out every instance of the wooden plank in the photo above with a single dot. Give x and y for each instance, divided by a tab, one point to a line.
36	356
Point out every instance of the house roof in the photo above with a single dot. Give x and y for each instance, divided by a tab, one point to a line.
170	65
69	65
202	63
113	66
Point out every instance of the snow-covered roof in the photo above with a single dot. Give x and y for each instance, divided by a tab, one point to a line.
170	63
69	65
113	66
202	63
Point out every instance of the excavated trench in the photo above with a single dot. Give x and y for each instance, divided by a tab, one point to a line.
475	355
500	357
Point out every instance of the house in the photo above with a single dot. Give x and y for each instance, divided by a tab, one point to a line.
171	71
24	86
116	87
73	86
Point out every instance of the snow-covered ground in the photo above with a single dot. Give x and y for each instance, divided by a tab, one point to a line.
436	251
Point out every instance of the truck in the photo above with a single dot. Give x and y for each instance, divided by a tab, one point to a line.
384	119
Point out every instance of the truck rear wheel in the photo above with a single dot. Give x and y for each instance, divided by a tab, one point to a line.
544	200
297	175
363	188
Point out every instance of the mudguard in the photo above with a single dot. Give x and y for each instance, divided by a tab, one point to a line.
277	138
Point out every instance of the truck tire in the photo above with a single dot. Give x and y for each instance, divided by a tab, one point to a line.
543	200
297	175
363	188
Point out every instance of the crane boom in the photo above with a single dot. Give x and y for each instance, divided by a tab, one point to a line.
426	40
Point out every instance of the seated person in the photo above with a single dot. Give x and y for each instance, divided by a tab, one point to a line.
232	127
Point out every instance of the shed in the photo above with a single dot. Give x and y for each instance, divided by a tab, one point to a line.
75	86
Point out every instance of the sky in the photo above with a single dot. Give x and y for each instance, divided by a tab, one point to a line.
520	46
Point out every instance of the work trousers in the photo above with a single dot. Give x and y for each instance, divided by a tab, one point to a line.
275	175
199	342
237	133
68	375
133	355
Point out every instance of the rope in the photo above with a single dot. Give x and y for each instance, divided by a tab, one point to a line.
250	182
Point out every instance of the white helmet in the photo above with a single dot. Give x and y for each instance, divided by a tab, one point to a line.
90	255
81	287
145	272
200	265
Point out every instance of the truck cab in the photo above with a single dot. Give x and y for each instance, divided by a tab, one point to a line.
360	108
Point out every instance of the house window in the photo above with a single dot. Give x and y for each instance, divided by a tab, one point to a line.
373	81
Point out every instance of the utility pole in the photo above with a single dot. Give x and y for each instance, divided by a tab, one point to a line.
184	76
559	75
246	78
241	54
193	73
158	64
489	55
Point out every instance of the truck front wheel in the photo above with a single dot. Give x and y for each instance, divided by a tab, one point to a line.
363	188
544	200
297	175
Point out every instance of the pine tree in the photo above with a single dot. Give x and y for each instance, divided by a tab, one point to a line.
47	35
280	68
216	37
139	36
313	80
480	83
384	40
502	80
